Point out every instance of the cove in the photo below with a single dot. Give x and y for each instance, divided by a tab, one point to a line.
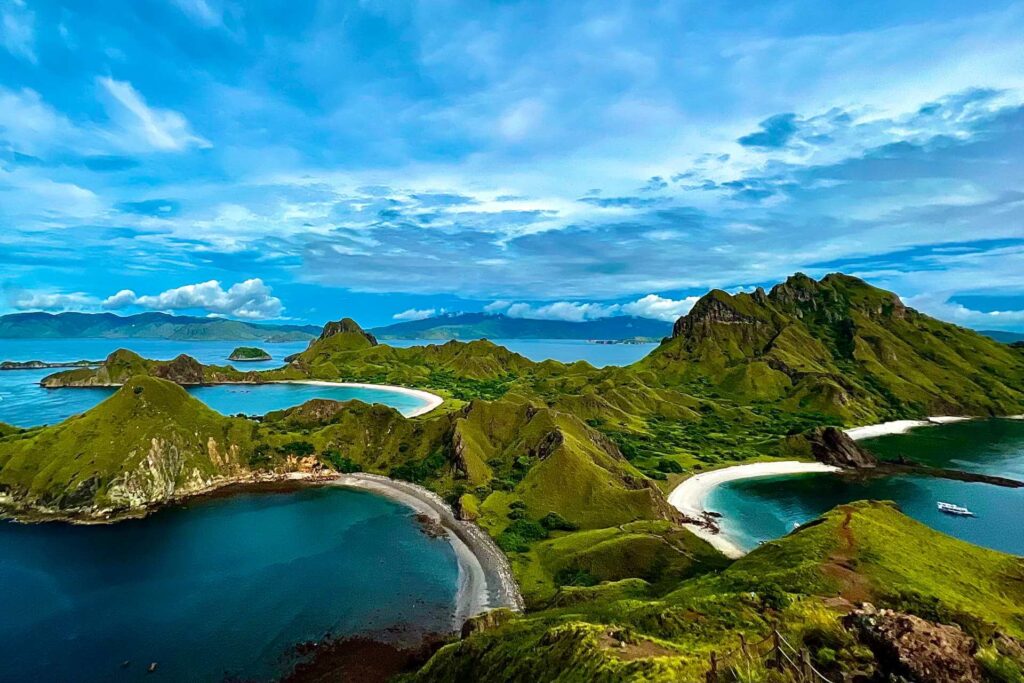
757	510
222	587
24	403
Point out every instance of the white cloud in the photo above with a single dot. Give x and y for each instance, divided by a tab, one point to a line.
414	314
572	311
660	308
201	12
29	124
938	305
51	301
148	127
251	299
650	306
18	33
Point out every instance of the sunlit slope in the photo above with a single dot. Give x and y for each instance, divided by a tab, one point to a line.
626	631
841	347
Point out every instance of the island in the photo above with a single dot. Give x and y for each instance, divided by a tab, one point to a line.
249	354
568	470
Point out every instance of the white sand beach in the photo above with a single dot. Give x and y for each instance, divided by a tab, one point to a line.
690	496
900	426
485	576
431	401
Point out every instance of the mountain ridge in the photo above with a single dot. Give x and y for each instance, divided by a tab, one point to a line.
467	326
155	325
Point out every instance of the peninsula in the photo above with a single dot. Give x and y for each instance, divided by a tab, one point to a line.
568	469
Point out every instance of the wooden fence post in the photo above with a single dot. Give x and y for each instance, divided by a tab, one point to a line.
805	664
777	647
712	676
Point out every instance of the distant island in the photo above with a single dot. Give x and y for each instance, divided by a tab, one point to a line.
468	326
1005	337
147	326
249	353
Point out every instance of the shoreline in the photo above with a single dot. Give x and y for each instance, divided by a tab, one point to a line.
690	495
485	576
431	400
901	426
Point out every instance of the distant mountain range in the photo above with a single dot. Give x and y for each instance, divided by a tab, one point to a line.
146	326
1005	337
498	326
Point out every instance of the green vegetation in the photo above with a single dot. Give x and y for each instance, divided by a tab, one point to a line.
634	630
563	465
249	353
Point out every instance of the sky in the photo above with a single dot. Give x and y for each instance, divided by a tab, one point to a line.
393	160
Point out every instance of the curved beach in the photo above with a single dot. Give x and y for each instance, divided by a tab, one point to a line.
900	426
690	496
485	577
431	401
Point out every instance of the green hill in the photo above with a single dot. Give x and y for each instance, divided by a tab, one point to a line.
150	442
146	326
467	326
565	466
801	584
840	347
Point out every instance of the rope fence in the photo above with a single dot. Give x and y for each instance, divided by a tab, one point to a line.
773	651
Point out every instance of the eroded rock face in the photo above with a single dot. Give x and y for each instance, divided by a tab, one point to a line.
487	621
182	370
915	649
346	326
833	446
709	309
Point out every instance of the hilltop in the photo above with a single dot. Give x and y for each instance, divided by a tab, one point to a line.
466	326
146	326
840	347
804	585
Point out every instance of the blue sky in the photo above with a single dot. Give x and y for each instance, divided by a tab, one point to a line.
389	160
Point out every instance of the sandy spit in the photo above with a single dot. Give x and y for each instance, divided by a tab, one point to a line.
431	401
901	426
485	576
689	497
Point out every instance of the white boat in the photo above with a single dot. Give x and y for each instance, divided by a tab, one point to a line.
951	509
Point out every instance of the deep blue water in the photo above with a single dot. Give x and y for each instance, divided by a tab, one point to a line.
761	509
221	587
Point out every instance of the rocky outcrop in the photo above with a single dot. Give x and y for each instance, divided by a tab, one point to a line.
712	308
833	446
346	326
487	621
182	370
913	649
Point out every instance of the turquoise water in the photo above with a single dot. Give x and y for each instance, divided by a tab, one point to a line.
224	587
756	510
25	404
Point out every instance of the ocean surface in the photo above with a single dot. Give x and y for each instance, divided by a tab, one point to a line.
756	510
225	587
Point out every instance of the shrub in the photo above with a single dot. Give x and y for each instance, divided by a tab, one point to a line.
339	462
556	522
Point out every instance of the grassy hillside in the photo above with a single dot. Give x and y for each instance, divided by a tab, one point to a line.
565	466
841	347
630	631
146	443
